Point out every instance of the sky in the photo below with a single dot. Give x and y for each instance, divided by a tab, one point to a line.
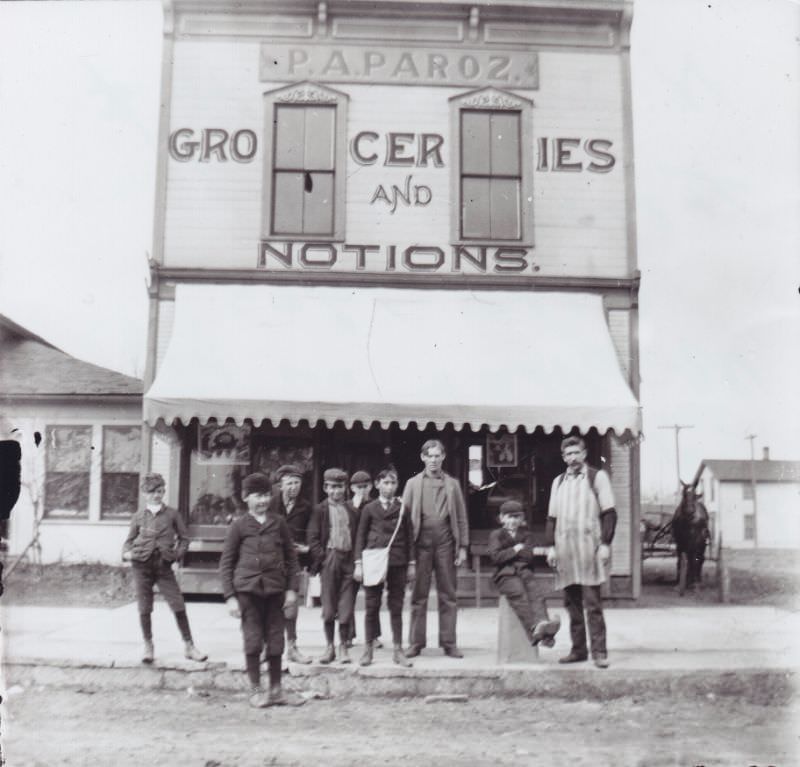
716	99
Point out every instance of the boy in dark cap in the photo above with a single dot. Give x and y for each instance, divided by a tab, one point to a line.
511	551
156	538
384	521
360	489
259	576
288	503
331	536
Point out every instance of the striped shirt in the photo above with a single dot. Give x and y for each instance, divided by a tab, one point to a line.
576	509
340	538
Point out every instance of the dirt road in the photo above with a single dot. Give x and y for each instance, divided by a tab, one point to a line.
61	727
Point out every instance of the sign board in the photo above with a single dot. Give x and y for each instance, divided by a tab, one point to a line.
391	65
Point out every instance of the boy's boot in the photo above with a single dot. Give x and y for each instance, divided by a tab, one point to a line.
294	655
192	653
280	697
344	653
329	656
259	698
149	654
399	657
546	630
366	656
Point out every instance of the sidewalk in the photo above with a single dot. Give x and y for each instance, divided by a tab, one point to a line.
746	651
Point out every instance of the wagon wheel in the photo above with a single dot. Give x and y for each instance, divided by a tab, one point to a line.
683	573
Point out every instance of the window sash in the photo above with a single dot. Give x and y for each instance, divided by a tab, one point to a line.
119	484
67	485
491	178
304	170
303	203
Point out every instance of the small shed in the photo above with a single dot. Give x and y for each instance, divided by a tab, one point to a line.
753	504
79	427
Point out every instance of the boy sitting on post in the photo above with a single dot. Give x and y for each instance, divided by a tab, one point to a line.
259	575
379	520
511	551
331	538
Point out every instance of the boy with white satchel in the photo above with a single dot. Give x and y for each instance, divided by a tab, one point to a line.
384	554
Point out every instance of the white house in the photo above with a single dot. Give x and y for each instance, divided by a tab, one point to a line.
771	519
80	430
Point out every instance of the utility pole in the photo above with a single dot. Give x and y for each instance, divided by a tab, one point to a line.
751	437
677	428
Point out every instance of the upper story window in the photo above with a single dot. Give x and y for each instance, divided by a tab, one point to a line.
492	133
305	154
747	491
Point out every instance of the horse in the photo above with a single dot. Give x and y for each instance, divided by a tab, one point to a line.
690	533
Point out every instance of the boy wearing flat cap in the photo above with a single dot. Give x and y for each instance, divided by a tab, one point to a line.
511	551
360	489
156	538
296	510
259	576
331	537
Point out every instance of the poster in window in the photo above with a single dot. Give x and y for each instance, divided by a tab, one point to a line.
501	450
223	445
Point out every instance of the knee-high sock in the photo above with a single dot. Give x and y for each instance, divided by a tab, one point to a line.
252	663
183	625
274	666
147	627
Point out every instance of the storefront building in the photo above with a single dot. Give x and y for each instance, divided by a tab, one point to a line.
381	222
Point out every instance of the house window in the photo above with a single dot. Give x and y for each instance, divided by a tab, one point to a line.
305	152
120	482
493	167
68	462
491	175
749	527
747	491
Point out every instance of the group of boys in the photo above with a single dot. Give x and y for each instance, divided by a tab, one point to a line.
267	548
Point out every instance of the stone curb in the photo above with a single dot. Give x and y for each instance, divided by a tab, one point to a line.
759	686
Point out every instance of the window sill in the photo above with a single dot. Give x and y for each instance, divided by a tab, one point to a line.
59	521
487	243
314	239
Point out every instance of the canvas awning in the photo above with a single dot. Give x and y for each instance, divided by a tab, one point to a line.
377	354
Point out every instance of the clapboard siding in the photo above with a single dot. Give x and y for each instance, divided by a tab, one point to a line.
214	210
619	328
166	316
621	486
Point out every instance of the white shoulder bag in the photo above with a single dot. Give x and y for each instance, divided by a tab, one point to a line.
375	562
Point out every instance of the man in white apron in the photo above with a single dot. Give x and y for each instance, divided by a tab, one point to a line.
581	523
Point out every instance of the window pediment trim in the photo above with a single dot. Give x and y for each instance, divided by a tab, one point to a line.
306	92
490	98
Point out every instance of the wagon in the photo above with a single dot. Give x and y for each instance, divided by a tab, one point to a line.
658	542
